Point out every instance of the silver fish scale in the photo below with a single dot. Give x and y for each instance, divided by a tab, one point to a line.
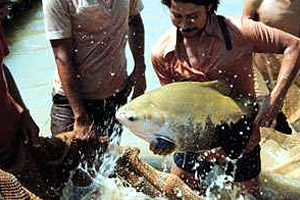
195	137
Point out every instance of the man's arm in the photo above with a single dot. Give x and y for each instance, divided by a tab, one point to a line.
28	128
250	9
269	40
136	43
289	70
63	52
12	87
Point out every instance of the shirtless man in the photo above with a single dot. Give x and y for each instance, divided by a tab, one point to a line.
281	14
204	47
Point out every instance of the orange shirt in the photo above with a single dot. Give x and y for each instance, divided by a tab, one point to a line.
216	62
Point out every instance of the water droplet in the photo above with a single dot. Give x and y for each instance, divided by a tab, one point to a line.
235	76
220	71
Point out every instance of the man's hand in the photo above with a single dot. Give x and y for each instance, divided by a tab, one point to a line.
83	128
29	129
162	147
267	112
137	80
26	126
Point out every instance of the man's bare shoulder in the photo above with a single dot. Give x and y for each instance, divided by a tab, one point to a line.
165	43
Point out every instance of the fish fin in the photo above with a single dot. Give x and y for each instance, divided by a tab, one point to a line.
220	87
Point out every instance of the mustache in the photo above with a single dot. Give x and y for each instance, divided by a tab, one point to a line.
187	30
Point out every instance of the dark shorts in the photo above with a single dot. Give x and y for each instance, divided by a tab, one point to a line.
248	166
233	139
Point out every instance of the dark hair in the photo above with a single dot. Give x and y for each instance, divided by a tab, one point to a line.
214	3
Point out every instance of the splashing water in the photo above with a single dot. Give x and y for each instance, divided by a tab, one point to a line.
102	186
220	186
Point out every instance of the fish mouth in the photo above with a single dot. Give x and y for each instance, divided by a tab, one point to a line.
123	117
120	116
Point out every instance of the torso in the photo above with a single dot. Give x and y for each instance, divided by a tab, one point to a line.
281	14
208	58
99	29
209	61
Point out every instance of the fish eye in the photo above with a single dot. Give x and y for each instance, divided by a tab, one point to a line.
131	117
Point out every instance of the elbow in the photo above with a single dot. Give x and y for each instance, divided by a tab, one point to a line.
294	47
297	49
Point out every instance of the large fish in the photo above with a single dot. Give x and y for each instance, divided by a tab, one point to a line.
184	113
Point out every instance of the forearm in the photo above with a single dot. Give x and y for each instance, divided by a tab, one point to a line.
12	88
69	78
136	41
288	72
